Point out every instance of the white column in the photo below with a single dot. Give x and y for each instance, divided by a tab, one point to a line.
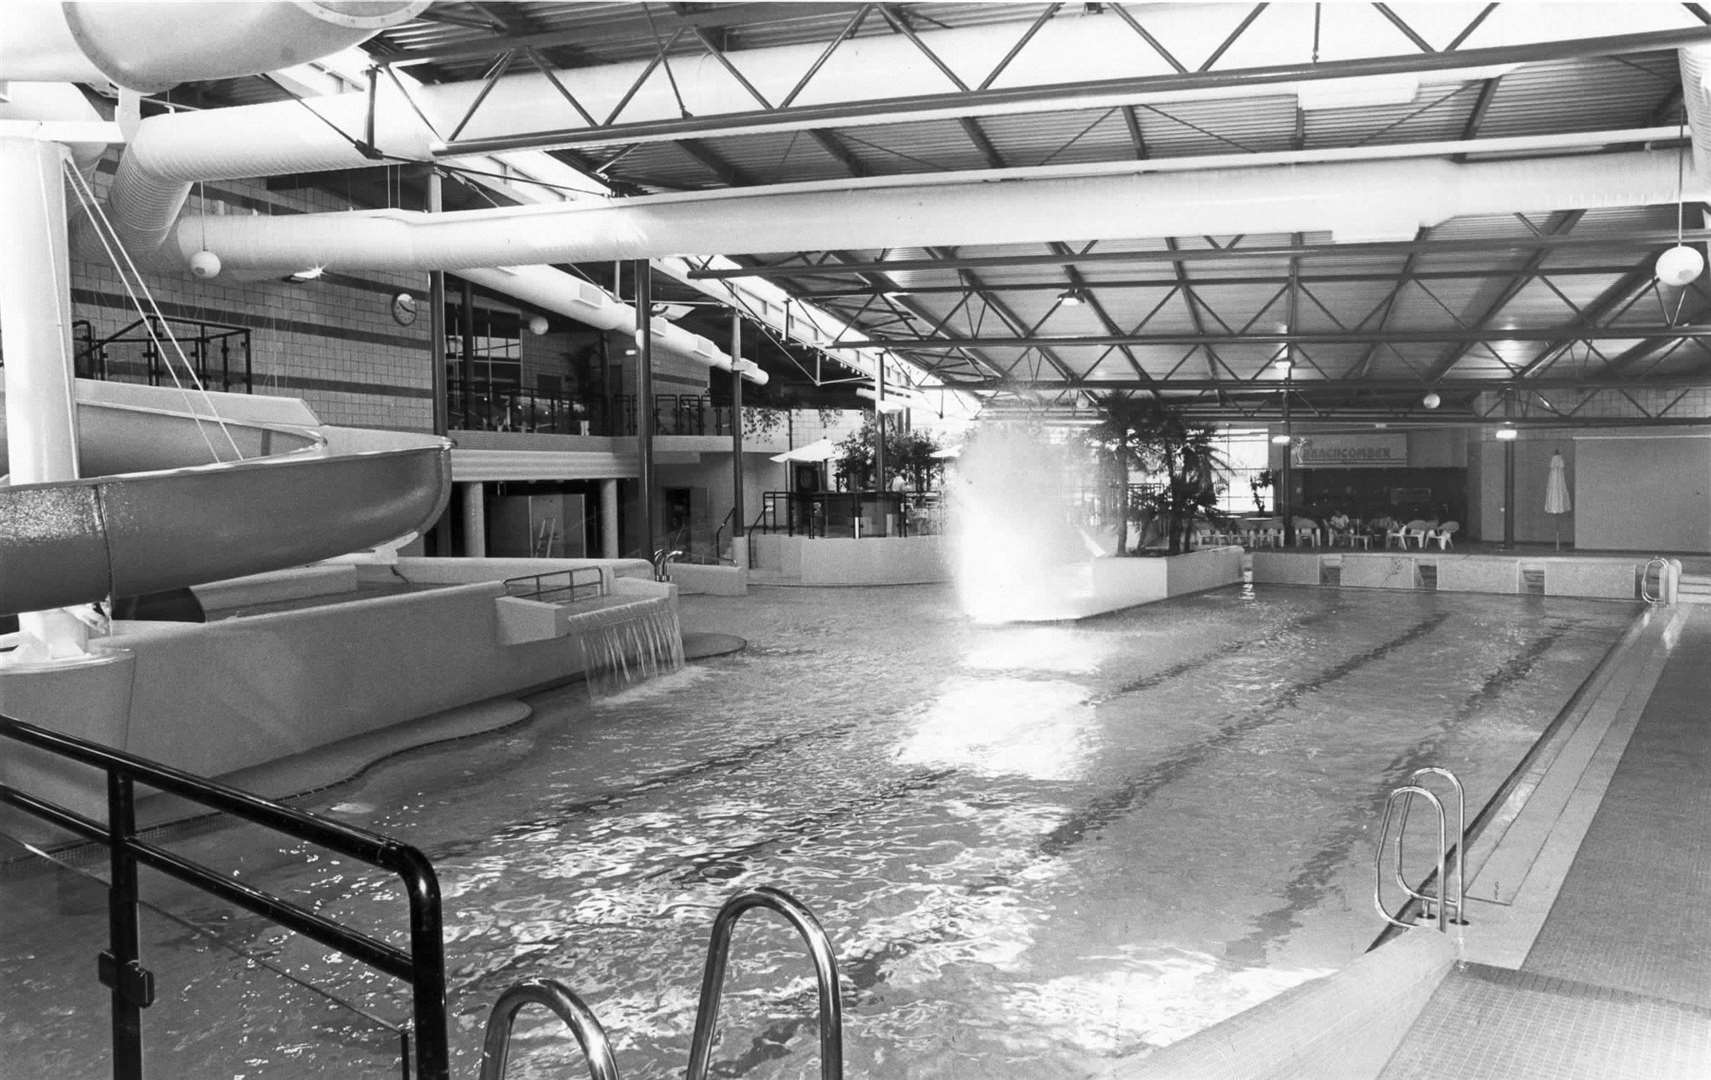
35	325
609	519
474	522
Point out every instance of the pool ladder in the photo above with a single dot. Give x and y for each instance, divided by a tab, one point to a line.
1451	906
597	1049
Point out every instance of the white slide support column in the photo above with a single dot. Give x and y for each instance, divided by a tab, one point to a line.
35	325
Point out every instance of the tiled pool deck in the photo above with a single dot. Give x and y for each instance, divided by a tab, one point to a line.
1596	961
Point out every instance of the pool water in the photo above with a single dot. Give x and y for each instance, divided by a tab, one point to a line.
1037	849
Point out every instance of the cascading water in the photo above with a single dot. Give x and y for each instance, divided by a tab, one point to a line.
1016	527
646	642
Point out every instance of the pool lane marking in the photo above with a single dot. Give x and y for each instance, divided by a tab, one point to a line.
1136	790
1229	648
1314	879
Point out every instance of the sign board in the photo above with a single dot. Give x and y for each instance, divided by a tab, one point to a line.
1349	451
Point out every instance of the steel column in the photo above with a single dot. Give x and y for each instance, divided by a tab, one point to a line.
736	430
437	357
642	268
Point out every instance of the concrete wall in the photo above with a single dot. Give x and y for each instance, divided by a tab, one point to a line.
1648	492
884	560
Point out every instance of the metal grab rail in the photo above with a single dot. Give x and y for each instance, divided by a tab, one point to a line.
577	585
496	1043
1666	570
825	973
1405	793
121	970
1459	904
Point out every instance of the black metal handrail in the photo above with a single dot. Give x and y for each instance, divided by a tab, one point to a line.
199	337
576	586
121	970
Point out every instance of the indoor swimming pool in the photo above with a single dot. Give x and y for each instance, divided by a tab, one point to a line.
1037	849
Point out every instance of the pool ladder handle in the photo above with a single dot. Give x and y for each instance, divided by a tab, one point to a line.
825	973
1404	796
496	1044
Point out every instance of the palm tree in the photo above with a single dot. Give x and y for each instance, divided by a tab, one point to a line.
1149	437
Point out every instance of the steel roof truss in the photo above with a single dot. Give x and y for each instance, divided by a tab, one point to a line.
849	29
489	81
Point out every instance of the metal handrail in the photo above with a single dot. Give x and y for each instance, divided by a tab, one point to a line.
496	1044
1406	793
825	973
534	587
121	970
1460	902
1662	565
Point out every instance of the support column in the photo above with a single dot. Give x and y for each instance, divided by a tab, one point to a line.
1508	476
737	540
35	324
466	362
437	353
609	548
879	447
644	403
474	521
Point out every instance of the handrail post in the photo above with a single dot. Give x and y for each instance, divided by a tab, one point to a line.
825	973
120	967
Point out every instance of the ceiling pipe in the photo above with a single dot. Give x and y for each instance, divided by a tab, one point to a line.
557	291
1397	199
1694	62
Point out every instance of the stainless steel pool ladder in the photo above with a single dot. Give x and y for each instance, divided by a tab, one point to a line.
496	1045
1451	905
825	973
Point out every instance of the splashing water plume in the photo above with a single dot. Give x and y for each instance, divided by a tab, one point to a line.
1017	542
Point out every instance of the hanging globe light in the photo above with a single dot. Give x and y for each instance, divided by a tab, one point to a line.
1432	400
1680	265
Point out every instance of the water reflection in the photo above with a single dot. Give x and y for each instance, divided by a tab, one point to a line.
994	726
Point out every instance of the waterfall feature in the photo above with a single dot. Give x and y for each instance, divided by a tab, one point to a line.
619	653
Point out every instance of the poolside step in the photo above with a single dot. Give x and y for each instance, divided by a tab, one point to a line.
1694	589
1515	1025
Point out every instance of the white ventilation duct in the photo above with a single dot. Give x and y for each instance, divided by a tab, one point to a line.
1396	198
1694	62
558	291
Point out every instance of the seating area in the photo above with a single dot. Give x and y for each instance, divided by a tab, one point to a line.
1334	531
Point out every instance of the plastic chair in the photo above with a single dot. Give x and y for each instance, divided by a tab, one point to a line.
1306	532
1441	535
1402	531
1416	531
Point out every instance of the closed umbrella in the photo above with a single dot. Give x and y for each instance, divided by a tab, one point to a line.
1557	501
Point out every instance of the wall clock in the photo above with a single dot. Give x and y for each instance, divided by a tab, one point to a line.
404	309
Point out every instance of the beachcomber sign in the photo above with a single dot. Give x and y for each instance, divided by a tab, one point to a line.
1350	451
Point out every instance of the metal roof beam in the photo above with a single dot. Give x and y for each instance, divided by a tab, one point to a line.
1067	94
1470	336
1518	246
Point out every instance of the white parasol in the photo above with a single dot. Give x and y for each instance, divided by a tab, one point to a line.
1557	501
818	450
